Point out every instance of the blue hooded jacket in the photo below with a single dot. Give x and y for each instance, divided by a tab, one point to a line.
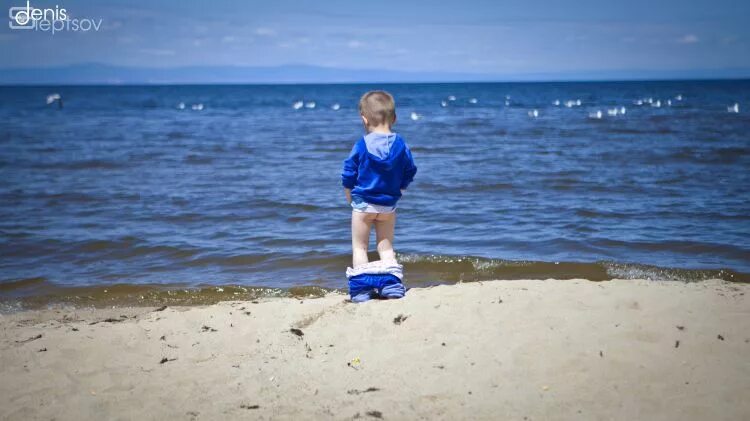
378	168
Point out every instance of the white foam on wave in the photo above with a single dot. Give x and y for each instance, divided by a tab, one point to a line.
473	101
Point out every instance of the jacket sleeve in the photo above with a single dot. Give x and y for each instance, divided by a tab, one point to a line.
410	169
351	168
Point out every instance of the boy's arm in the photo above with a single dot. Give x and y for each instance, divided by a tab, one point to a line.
350	172
410	170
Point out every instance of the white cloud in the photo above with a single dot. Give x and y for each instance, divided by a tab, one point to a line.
265	32
688	39
157	52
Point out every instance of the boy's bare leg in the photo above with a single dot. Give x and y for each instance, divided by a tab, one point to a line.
361	224
385	224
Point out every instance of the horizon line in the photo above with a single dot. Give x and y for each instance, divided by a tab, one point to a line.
392	82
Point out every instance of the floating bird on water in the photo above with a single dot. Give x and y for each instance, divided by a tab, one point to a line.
451	98
443	104
414	116
55	98
310	105
597	115
734	108
557	103
533	113
335	107
197	107
297	105
181	106
473	101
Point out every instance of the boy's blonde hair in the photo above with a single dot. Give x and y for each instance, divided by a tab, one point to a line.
378	107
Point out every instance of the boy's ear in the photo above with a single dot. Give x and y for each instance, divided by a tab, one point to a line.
364	120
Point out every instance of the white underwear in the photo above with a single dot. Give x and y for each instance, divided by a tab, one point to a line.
358	205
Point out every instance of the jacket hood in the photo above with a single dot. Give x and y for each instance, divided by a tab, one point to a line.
379	144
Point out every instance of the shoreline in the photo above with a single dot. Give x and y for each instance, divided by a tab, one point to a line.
37	293
533	349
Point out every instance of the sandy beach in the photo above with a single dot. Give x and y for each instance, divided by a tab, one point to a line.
525	350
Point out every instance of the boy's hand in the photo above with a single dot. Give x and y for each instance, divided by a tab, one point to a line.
348	194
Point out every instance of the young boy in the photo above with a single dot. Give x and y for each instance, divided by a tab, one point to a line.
377	171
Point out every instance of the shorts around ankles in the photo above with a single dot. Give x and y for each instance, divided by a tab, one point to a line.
359	205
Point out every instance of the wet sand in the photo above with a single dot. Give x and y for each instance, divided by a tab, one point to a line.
525	350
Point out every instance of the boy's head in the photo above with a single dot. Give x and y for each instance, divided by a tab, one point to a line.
377	109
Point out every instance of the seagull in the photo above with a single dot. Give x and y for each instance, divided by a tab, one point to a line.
451	98
597	115
622	110
414	116
734	108
656	103
55	98
678	97
612	112
443	104
569	104
297	105
335	107
197	107
473	101
578	103
310	105
533	113
638	102
181	106
669	103
557	103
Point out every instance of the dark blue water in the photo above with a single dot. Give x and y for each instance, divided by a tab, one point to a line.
121	186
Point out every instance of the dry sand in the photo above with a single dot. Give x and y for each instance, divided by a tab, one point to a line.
525	350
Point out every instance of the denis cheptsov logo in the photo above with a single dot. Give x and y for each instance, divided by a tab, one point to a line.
49	20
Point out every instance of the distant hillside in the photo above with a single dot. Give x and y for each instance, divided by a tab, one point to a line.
108	74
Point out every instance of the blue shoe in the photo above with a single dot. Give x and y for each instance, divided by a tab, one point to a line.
364	296
393	291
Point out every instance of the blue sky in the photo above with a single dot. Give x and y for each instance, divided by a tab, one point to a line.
490	37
